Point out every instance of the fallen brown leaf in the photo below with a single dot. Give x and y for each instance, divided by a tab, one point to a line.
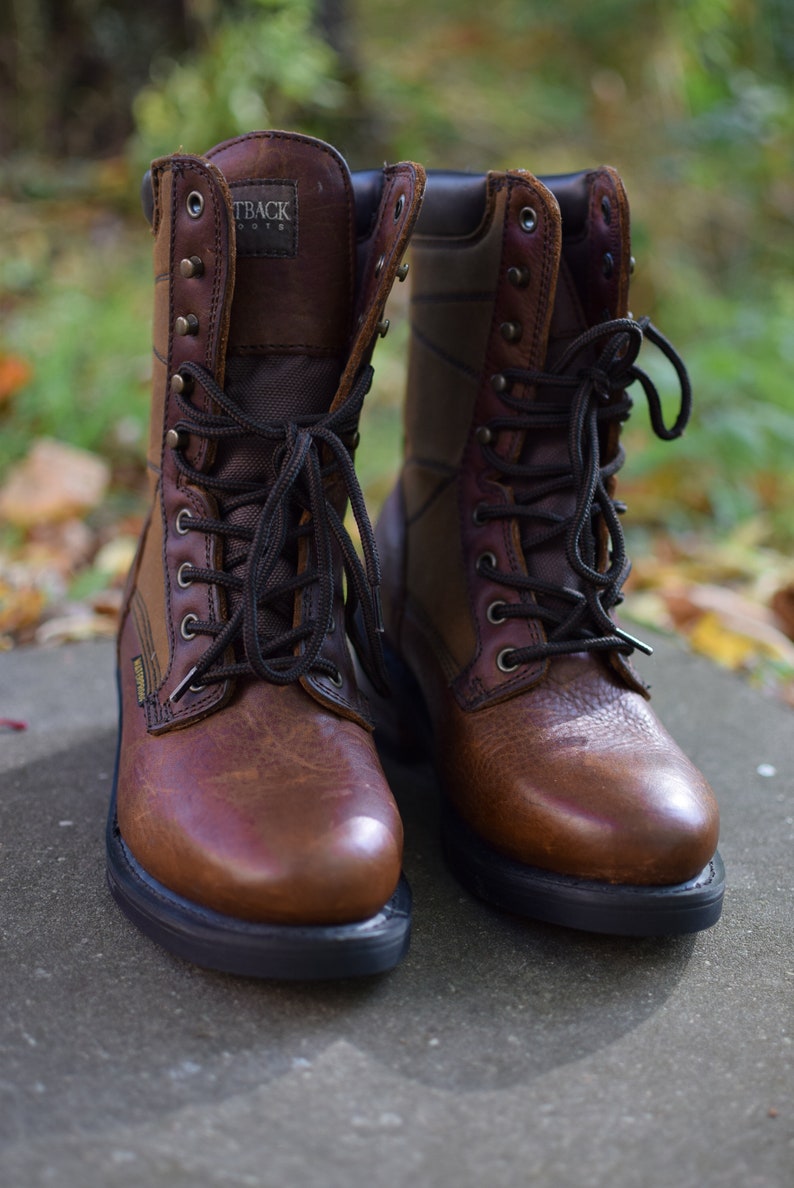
15	372
55	482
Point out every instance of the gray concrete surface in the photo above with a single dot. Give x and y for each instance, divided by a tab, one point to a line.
500	1053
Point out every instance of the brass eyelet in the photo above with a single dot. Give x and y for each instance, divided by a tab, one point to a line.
181	580
184	629
194	204
180	524
528	220
502	662
493	614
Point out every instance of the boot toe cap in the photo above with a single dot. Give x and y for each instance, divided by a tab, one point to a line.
653	825
343	873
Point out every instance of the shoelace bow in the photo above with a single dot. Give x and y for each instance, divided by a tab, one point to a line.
599	395
300	484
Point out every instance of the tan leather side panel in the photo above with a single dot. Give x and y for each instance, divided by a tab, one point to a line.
150	609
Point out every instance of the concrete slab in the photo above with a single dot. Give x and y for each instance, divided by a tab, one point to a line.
500	1053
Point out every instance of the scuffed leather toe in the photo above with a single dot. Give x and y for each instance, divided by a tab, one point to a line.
291	822
579	777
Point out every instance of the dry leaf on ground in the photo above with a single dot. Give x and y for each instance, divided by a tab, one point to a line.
55	482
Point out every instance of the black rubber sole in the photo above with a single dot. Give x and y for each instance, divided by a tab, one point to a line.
219	942
586	904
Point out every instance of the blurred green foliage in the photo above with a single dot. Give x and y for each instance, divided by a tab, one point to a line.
263	65
691	99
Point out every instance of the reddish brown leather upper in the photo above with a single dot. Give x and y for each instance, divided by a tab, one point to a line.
262	801
560	763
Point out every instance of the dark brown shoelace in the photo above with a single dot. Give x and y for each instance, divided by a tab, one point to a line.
307	453
577	619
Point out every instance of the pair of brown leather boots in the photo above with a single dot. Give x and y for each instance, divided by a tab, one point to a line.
252	829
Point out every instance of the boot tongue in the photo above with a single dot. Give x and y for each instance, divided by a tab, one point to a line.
291	312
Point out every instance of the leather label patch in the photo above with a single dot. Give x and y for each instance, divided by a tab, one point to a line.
265	217
140	679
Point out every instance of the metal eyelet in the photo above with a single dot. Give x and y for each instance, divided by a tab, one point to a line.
499	382
338	680
528	220
176	440
518	277
194	204
608	264
606	210
196	688
379	265
492	614
184	629
382	327
485	559
484	435
180	524
477	516
399	206
632	265
502	662
402	272
181	581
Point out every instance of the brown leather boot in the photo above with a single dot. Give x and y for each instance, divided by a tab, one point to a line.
252	829
503	559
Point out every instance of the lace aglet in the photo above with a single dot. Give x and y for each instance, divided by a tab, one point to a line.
183	686
639	644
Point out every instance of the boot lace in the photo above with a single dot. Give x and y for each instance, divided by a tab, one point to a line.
577	619
310	453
